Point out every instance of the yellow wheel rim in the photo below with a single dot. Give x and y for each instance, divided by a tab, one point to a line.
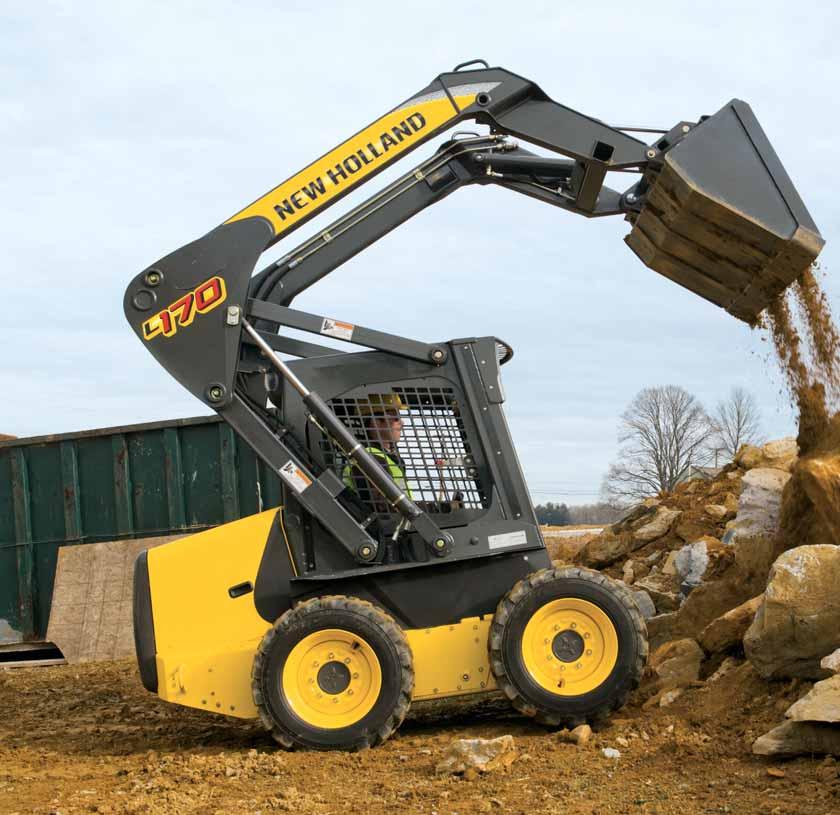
331	678
569	647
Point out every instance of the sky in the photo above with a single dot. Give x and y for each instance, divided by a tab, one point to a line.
129	129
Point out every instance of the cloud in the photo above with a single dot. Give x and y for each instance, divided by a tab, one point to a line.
126	133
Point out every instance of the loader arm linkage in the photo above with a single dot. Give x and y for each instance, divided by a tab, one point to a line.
712	209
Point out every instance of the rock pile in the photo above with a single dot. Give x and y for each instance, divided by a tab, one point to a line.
745	565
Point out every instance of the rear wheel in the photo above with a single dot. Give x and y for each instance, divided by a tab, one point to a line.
334	673
567	646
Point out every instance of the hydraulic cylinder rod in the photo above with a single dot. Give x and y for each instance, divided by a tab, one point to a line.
349	444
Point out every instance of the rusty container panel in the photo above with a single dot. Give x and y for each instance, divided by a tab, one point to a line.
149	480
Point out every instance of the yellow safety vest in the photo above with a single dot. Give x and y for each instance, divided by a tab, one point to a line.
393	469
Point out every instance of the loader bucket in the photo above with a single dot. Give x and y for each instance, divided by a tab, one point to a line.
722	217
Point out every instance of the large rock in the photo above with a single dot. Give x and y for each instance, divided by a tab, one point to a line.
799	738
663	589
658	526
727	631
482	755
781	455
661	628
754	532
831	662
760	501
708	602
820	478
677	664
606	548
799	620
820	704
718	512
811	726
701	560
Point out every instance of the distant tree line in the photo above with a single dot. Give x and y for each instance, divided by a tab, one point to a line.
562	515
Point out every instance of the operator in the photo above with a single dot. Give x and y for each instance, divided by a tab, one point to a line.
382	431
383	427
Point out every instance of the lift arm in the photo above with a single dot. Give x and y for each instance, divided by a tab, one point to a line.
712	209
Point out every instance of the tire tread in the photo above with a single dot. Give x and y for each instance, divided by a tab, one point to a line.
504	611
372	736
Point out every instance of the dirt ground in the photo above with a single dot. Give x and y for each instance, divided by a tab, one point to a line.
80	739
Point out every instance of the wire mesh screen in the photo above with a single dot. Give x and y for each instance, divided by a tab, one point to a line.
417	434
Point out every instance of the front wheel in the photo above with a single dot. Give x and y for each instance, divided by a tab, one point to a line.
567	646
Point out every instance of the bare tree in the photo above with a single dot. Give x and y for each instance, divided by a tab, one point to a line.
663	432
737	421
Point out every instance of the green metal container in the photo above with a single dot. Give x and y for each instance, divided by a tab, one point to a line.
162	478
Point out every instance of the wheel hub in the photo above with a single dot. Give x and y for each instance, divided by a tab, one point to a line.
333	677
567	646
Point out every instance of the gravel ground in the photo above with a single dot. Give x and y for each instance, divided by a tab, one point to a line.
80	739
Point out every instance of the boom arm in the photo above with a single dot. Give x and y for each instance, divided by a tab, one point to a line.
713	210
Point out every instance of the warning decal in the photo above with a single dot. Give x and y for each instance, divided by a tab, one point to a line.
337	329
296	478
518	538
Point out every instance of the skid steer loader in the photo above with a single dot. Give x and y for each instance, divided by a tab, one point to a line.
410	566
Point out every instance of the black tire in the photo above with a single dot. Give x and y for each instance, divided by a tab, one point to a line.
519	684
274	691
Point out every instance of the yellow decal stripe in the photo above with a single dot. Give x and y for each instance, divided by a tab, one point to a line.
344	167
